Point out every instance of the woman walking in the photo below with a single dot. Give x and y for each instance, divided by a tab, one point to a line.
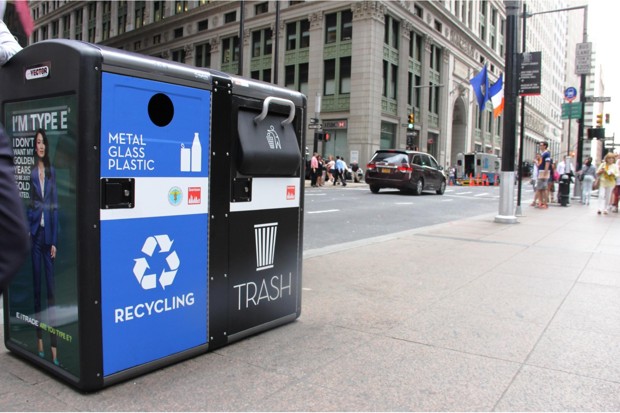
607	173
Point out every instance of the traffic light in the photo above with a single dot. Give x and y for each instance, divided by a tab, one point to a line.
411	120
326	136
607	118
599	120
320	135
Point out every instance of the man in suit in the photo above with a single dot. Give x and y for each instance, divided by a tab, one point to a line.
14	238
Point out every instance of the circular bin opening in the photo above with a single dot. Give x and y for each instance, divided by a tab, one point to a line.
161	110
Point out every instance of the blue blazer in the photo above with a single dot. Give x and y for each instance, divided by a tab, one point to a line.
46	204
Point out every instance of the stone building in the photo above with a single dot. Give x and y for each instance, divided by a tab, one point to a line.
370	64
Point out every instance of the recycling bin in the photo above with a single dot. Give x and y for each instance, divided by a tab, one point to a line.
564	189
134	171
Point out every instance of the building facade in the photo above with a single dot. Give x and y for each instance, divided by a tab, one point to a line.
369	63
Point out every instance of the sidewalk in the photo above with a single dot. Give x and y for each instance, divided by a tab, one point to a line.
467	315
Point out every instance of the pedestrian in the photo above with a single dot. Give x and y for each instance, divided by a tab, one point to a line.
320	179
537	192
14	241
607	173
8	44
452	175
587	175
330	169
314	168
340	171
354	170
615	196
544	176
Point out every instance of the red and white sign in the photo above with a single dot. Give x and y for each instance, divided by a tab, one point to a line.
290	192
194	195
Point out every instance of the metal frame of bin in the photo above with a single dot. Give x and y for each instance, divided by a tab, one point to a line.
67	80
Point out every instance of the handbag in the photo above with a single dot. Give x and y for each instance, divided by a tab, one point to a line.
542	174
595	184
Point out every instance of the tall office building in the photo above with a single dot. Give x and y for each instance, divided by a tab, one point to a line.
370	64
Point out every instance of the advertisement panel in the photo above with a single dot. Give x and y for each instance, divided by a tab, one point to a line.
154	249
42	299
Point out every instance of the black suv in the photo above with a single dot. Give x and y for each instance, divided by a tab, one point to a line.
408	171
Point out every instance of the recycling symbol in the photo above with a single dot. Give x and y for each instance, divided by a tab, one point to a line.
141	266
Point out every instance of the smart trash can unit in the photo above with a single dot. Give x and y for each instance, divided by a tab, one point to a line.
176	226
564	189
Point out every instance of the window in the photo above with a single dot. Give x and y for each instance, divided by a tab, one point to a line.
337	73
335	23
438	26
122	17
230	49
178	32
261	8
140	8
417	10
391	33
296	77
390	78
203	55
137	45
230	17
157	39
345	75
330	28
261	42
158	8
92	22
415	46
106	22
180	6
203	25
330	77
178	55
66	27
298	35
79	19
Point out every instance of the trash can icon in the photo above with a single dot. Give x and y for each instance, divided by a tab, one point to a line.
265	238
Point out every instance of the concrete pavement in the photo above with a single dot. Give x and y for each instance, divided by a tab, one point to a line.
467	315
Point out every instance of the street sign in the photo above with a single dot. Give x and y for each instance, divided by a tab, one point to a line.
592	99
529	73
583	68
570	94
584	49
313	121
571	110
315	126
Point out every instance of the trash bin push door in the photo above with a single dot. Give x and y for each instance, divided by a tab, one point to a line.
265	230
154	216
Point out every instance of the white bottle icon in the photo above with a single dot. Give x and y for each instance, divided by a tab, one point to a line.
196	154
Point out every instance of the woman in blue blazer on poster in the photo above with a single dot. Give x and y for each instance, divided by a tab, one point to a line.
43	219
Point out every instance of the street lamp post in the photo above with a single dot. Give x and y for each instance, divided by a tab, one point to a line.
506	199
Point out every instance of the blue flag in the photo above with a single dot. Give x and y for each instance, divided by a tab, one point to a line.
480	84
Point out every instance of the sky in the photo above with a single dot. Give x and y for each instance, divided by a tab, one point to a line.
602	32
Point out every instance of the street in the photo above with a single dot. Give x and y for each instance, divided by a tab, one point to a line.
335	215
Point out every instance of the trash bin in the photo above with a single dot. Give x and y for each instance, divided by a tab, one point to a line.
564	189
131	169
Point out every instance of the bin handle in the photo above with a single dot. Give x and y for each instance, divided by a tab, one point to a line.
281	101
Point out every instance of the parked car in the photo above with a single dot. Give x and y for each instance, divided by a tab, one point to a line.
409	171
